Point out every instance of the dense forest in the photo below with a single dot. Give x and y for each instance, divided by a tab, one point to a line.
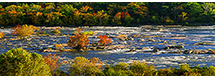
107	13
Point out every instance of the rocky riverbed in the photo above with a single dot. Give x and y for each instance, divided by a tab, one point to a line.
161	46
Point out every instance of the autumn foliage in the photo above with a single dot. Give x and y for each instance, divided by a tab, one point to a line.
52	61
23	30
86	67
104	39
79	40
96	62
2	34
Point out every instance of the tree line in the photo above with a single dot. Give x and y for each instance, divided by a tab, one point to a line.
107	13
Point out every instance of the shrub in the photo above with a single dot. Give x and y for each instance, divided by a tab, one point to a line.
59	46
24	30
208	71
89	33
165	72
183	70
141	69
2	34
104	39
83	66
52	61
79	40
120	69
20	62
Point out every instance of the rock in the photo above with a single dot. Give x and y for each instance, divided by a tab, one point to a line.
165	42
136	36
146	26
156	29
141	40
173	26
49	35
204	43
174	47
69	49
145	29
51	50
145	48
179	36
179	46
9	43
152	40
130	38
119	36
111	47
50	46
64	45
147	36
108	34
94	48
100	47
155	50
211	51
195	51
166	48
138	47
81	50
124	43
94	44
44	45
133	49
188	51
122	39
35	45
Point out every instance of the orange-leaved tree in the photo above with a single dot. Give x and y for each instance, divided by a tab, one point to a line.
24	30
52	61
79	40
104	39
2	34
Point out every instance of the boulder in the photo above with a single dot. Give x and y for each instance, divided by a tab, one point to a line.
131	50
204	43
195	51
152	40
174	47
155	50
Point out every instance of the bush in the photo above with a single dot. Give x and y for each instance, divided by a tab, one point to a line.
19	62
24	30
183	70
141	69
82	66
2	34
165	72
79	40
208	71
120	69
104	39
52	61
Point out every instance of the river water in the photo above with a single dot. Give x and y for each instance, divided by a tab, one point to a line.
185	36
